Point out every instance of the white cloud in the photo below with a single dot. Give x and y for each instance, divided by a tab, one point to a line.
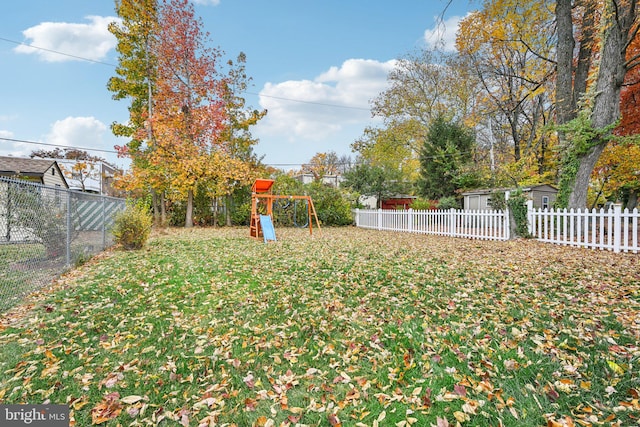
443	35
13	148
206	2
319	108
77	132
92	40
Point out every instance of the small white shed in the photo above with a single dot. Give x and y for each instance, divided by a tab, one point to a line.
543	196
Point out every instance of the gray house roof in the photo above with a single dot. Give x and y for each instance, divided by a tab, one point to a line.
539	187
30	168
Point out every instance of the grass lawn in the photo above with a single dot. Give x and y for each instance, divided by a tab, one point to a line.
350	327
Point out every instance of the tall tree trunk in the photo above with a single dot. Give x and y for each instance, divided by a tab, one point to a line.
578	195
215	201
606	105
617	21
163	209
227	210
632	202
565	105
188	222
156	207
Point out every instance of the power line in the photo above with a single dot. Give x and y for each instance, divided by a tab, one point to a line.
57	52
23	141
115	66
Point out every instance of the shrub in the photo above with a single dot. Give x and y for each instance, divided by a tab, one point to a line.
424	204
331	207
498	201
132	226
448	202
241	214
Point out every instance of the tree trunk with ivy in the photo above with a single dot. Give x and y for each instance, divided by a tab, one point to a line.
586	138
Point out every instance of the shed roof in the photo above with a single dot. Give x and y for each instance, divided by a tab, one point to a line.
524	189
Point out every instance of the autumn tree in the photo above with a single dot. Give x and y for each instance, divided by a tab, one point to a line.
617	174
321	165
394	147
422	87
587	112
188	125
135	80
508	45
189	114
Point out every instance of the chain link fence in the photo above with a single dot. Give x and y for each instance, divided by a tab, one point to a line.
46	230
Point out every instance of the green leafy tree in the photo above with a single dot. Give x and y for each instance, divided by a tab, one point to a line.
332	208
375	181
392	148
446	150
237	132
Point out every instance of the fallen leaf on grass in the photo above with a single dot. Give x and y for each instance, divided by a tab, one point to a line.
334	420
109	408
131	399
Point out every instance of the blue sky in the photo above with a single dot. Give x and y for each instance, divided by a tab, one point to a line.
315	67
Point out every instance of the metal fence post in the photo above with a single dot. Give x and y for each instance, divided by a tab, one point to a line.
68	246
104	224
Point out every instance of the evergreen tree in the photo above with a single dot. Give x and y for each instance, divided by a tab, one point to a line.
446	150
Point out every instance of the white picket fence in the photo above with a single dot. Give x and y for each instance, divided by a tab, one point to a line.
485	225
612	229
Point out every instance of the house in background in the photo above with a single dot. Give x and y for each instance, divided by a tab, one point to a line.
543	196
46	172
91	177
308	178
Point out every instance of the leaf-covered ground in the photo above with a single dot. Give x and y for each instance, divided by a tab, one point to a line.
349	327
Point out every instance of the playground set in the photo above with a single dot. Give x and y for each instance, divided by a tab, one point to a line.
261	223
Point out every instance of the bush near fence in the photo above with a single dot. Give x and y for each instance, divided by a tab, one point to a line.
45	230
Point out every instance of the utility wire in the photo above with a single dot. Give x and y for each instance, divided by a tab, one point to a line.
23	141
115	66
57	52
